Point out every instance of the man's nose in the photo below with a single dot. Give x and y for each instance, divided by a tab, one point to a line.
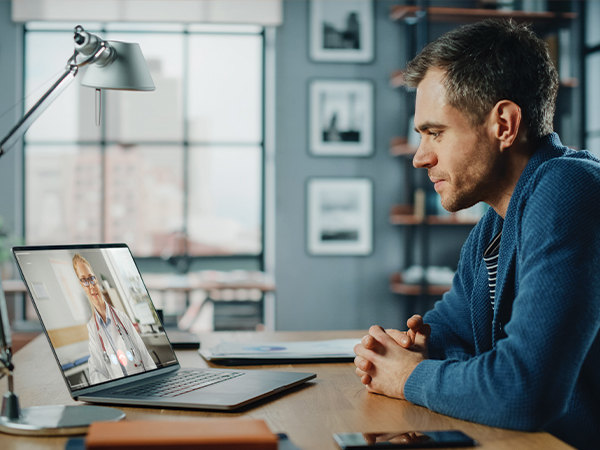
425	158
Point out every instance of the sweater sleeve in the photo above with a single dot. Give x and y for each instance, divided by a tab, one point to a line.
451	335
528	377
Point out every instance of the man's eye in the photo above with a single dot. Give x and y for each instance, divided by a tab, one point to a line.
434	134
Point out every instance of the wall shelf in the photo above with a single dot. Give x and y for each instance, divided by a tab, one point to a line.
570	82
398	286
404	215
410	14
399	146
397	78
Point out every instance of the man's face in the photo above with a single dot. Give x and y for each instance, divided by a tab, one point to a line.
460	158
84	273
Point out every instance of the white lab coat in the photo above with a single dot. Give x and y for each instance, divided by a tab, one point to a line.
99	369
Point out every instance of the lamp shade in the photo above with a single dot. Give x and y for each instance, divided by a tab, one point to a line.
127	70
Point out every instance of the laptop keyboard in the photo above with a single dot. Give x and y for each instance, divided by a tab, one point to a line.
185	381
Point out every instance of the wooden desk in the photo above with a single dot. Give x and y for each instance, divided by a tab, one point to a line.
335	402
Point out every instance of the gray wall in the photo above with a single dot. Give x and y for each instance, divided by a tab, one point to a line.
330	292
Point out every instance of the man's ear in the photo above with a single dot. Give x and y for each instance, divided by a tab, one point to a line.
506	122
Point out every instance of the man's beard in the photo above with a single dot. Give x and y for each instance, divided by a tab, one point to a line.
460	201
480	185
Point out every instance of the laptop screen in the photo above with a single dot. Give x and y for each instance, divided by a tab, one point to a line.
96	311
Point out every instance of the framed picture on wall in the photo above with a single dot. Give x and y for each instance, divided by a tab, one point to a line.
341	31
341	118
339	216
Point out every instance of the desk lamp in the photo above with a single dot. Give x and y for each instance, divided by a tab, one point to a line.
111	65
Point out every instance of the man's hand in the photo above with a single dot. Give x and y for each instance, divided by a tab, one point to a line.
386	358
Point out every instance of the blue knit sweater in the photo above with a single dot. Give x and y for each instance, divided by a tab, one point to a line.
532	363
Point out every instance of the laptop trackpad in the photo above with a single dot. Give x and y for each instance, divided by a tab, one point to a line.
252	385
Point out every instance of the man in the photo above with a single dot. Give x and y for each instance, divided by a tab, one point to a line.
116	349
514	343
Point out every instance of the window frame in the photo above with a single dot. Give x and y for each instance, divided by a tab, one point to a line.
185	262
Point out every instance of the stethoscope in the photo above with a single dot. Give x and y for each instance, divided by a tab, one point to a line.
120	326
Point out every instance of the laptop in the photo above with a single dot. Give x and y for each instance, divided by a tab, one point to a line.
109	342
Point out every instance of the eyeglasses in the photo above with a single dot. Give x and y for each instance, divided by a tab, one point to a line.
86	281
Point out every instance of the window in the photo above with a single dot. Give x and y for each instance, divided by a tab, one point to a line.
178	170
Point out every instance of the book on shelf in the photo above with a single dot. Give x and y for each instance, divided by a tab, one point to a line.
437	275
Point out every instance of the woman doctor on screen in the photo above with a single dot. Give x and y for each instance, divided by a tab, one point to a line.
115	347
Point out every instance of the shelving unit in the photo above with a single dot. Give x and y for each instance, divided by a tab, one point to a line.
417	20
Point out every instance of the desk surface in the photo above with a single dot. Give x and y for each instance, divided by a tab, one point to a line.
335	402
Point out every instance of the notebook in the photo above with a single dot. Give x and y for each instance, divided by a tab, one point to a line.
109	342
304	352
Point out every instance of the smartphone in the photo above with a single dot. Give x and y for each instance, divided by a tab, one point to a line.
411	439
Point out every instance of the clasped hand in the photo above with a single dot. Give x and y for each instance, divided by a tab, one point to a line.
386	358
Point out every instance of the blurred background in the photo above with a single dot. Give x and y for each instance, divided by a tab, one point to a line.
267	183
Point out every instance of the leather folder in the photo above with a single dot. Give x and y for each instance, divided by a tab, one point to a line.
205	434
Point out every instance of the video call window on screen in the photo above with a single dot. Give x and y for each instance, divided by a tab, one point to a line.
97	312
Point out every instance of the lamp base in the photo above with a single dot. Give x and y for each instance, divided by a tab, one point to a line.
58	420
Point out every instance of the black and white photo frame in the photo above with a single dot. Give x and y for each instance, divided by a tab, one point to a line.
341	118
341	31
339	216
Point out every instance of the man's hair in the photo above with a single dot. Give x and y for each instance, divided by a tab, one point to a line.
489	61
79	259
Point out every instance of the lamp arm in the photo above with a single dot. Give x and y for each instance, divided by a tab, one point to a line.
98	51
21	127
